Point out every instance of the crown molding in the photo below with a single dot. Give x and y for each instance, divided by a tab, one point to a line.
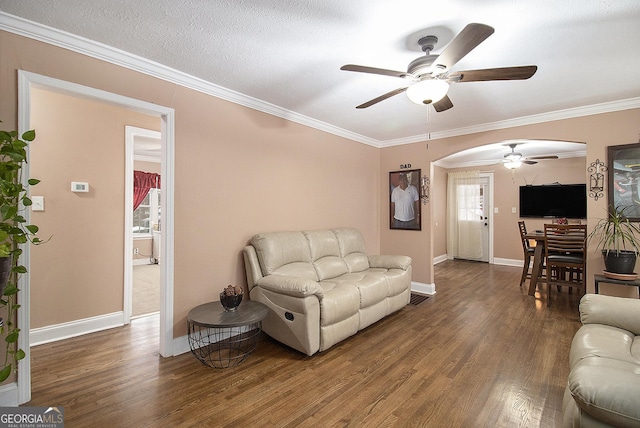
571	113
471	164
72	42
63	39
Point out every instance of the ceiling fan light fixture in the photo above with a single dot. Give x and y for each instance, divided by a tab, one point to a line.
513	164
427	91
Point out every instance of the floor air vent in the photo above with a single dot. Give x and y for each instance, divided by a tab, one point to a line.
416	299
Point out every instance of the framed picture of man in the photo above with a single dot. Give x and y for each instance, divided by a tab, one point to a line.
404	200
624	179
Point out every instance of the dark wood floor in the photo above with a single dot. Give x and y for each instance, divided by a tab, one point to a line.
481	353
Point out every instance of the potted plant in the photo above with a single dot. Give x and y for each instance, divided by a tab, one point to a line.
619	240
14	232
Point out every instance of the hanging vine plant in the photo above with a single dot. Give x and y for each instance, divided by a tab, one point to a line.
14	232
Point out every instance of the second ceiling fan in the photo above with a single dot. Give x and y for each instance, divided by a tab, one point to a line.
515	160
431	74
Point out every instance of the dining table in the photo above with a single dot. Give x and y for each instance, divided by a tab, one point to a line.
538	259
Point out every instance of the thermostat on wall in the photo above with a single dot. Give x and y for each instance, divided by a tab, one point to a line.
77	186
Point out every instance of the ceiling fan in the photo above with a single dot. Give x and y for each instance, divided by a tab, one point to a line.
515	160
431	74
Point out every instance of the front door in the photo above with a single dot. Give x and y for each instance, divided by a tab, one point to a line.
471	218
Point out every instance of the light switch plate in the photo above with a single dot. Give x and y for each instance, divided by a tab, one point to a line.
37	203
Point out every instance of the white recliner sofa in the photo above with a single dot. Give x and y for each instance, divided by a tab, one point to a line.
321	287
603	389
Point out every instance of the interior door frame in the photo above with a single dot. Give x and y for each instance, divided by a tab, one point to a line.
131	132
27	80
490	212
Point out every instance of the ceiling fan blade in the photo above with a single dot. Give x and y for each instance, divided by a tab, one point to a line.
504	73
470	37
542	157
373	70
382	97
442	105
529	162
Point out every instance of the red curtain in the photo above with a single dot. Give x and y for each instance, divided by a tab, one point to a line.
142	182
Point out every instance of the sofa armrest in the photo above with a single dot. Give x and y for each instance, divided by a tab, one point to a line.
290	285
390	262
607	390
617	312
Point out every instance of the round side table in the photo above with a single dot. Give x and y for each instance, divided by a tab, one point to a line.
220	338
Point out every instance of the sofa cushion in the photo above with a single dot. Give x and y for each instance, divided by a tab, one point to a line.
340	302
284	253
352	249
607	389
325	254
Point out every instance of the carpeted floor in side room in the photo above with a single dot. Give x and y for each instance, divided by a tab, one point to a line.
146	289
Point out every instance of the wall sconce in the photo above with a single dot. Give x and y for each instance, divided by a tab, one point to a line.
424	189
596	179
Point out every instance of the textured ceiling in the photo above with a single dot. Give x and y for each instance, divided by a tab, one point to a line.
288	53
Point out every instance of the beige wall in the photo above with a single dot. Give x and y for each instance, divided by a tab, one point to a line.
237	172
147	166
506	196
438	199
597	131
79	273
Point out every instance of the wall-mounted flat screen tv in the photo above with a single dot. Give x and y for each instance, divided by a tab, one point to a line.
554	200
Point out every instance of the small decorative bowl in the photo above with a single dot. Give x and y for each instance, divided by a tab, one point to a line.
230	303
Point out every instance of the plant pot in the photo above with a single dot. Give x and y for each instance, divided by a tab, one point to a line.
5	272
230	303
622	261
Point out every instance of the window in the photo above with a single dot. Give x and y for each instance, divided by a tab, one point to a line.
146	218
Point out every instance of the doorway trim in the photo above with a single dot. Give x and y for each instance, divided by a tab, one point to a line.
27	80
131	132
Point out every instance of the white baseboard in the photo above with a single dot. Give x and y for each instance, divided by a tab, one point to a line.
439	259
181	345
422	288
508	262
53	333
9	395
144	261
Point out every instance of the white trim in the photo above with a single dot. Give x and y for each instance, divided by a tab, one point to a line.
181	345
131	132
420	287
9	395
26	80
508	262
24	297
140	262
611	106
439	259
55	37
488	163
53	333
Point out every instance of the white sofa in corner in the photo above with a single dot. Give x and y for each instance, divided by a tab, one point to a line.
321	287
603	389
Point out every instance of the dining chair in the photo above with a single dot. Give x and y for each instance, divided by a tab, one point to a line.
528	253
565	257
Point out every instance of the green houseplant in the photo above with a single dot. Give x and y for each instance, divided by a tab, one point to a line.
619	241
14	232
